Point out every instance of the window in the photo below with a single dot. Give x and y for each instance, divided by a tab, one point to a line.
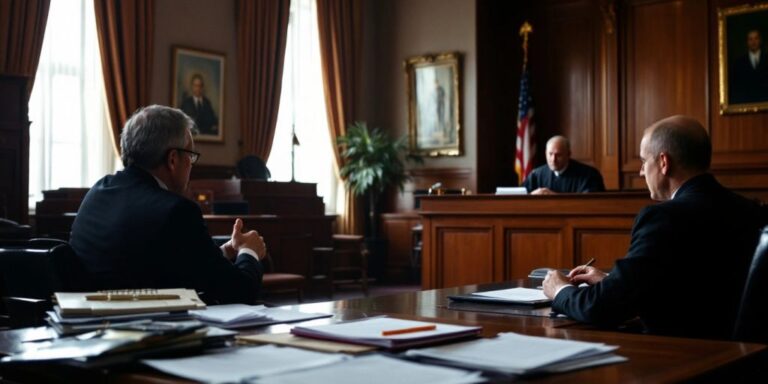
70	138
302	108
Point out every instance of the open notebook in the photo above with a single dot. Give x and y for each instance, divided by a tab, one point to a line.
388	332
516	296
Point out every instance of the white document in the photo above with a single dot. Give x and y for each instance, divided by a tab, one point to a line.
375	369
513	353
515	294
511	191
372	331
234	316
235	365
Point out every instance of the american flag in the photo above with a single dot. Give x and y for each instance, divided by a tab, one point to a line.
526	131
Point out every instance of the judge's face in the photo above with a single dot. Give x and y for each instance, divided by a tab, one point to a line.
753	41
558	155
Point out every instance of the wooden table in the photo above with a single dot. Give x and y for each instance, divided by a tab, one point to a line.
651	358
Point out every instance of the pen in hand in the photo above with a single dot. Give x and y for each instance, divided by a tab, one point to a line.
584	267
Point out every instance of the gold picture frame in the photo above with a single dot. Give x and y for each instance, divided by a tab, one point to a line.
743	77
434	104
197	84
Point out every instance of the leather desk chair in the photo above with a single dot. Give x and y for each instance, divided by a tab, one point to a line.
30	272
752	320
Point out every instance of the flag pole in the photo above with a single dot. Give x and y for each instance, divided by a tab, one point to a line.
525	29
525	144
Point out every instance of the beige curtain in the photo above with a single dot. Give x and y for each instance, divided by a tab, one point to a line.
22	28
126	33
340	27
262	31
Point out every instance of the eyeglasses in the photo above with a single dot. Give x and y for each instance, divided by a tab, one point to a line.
193	156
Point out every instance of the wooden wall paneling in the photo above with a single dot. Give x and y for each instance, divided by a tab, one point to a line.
547	244
14	149
607	242
607	93
422	179
397	229
739	141
499	64
665	54
467	252
566	45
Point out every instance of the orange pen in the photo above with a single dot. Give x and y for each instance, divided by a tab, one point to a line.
430	327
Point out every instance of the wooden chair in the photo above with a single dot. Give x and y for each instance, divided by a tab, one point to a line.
289	270
344	263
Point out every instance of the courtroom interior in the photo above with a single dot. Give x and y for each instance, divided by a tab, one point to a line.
255	176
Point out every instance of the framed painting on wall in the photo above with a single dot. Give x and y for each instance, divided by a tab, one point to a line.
197	82
434	104
743	58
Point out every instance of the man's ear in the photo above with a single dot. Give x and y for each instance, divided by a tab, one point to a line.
172	159
664	164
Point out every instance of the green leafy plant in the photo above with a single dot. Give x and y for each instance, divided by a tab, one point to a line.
372	162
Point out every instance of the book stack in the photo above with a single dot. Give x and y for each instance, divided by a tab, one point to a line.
78	312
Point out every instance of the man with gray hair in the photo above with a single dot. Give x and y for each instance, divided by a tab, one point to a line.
562	174
689	253
135	229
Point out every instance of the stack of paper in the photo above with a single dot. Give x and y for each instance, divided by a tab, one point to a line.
114	345
512	353
239	364
270	364
375	369
234	316
520	296
71	325
388	332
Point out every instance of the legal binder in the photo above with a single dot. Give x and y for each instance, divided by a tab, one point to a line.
127	301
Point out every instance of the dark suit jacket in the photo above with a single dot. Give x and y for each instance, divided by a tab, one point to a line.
131	233
685	269
205	118
748	84
577	178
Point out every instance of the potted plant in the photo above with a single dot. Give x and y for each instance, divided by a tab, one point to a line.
372	162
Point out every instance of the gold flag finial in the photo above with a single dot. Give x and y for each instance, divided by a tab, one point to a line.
525	29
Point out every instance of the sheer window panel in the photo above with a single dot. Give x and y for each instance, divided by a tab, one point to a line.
70	136
302	107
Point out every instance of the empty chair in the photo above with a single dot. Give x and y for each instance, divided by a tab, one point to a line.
753	313
288	272
252	167
30	272
345	263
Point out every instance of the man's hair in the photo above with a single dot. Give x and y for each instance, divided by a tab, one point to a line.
150	132
197	76
684	140
560	138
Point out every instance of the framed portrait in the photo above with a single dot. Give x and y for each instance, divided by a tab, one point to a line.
743	58
197	82
434	104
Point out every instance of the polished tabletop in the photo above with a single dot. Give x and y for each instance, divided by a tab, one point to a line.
651	358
